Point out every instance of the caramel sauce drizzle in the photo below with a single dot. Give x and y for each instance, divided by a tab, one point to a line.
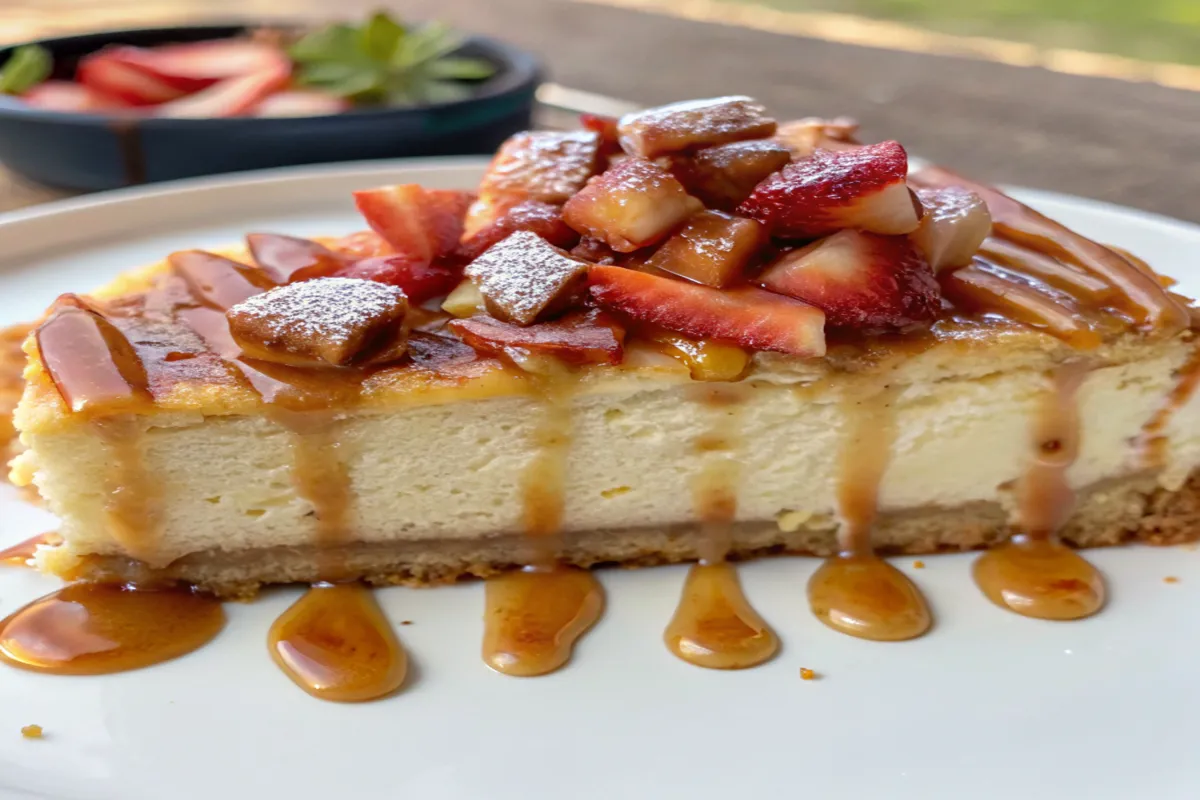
96	629
1141	295
1153	443
21	554
534	617
714	625
857	592
336	644
1035	574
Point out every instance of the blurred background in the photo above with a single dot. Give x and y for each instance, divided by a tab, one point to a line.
1099	98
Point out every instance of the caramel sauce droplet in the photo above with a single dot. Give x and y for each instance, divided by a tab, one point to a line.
856	592
534	617
1040	578
96	629
22	553
336	644
1034	574
867	597
715	626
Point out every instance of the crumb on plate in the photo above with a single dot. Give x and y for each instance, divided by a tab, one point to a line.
807	674
32	732
918	565
1170	579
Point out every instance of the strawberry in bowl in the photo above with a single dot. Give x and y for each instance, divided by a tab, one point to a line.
110	109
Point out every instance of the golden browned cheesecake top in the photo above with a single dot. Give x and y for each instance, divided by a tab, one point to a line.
736	249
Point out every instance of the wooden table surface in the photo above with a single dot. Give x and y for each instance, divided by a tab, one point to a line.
1127	142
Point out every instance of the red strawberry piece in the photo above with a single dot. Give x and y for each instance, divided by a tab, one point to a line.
70	97
746	316
231	97
290	259
363	244
581	337
108	72
423	224
860	188
420	280
598	123
543	219
861	280
190	67
300	103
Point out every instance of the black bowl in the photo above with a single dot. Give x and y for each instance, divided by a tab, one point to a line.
93	151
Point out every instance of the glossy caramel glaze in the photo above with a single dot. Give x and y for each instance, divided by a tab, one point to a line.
714	625
1039	577
95	629
1035	574
867	597
133	501
856	592
336	644
533	618
1153	443
21	553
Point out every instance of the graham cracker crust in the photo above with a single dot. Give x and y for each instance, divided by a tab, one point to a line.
1130	509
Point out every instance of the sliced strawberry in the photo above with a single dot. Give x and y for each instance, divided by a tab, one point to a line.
955	223
423	224
581	337
300	103
860	188
861	280
108	72
746	316
632	205
290	259
363	244
231	97
420	280
605	126
190	67
543	219
70	97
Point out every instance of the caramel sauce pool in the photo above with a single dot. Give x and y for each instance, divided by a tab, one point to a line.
96	629
856	592
715	626
1034	574
336	644
533	618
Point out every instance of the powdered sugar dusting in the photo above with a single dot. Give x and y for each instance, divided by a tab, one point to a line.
333	310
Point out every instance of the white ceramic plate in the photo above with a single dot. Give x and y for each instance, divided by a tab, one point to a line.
988	705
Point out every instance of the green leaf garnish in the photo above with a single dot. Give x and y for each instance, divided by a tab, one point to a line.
383	61
26	67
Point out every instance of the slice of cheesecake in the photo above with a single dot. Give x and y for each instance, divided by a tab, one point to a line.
689	334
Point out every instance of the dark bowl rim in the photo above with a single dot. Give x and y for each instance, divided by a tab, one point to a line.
520	70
